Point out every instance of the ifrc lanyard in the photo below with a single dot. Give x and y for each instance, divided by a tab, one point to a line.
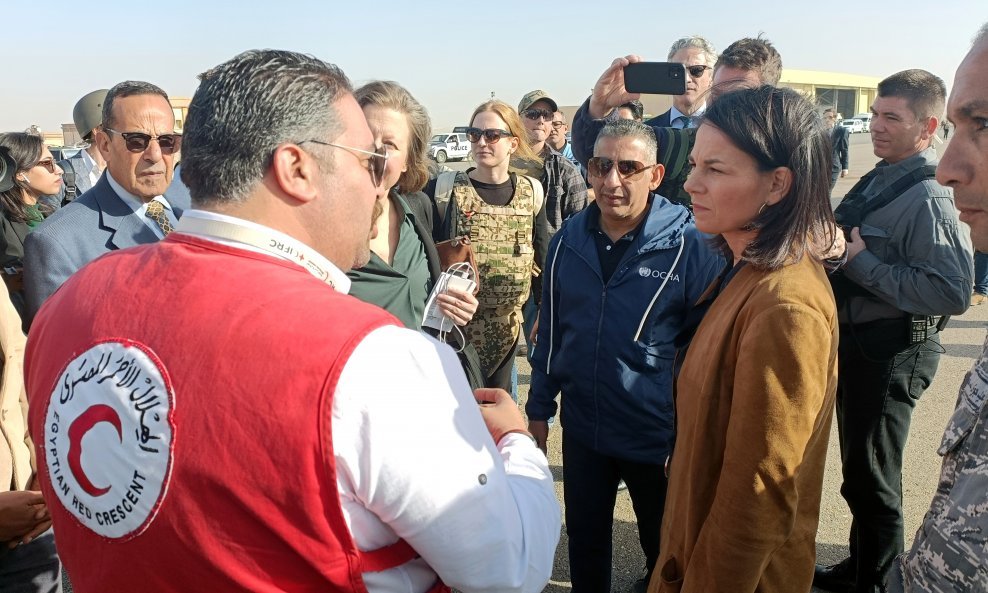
277	244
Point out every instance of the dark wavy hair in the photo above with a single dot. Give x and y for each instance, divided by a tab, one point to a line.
778	127
26	151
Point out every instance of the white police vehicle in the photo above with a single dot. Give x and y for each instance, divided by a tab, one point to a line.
447	147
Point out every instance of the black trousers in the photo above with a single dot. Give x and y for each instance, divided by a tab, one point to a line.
590	482
879	382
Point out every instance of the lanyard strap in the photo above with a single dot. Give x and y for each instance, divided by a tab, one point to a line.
279	245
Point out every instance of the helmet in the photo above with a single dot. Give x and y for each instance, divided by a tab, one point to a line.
88	112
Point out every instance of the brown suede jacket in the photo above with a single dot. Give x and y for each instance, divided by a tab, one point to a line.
754	404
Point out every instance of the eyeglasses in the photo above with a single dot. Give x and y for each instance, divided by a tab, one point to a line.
491	135
536	114
558	124
698	70
600	166
139	141
377	163
48	163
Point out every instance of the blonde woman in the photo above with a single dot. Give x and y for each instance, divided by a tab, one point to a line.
503	214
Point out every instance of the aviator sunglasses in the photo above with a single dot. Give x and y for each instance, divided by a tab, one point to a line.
600	166
378	159
139	141
491	135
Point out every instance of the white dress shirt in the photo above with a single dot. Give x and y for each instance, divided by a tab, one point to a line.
414	460
92	170
140	207
675	114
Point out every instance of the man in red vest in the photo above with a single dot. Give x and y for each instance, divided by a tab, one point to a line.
214	413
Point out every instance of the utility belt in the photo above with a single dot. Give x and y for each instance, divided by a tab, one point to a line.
911	329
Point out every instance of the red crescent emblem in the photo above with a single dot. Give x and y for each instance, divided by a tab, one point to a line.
80	426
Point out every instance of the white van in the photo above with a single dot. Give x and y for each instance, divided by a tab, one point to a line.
865	119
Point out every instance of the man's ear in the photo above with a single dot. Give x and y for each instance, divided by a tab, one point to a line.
932	125
781	181
295	172
658	172
102	141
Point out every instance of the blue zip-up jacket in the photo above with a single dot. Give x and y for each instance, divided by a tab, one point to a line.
609	349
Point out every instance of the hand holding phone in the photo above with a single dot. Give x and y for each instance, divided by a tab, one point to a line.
609	91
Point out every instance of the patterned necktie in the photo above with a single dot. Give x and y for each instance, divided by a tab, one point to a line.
686	120
156	212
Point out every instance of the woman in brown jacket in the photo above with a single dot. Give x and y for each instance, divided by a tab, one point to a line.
756	391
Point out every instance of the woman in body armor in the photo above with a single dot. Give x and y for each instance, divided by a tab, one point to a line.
23	201
404	265
503	215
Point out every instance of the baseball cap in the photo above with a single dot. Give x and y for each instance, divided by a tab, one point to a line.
534	96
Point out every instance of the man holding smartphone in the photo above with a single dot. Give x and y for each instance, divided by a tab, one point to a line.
699	56
746	62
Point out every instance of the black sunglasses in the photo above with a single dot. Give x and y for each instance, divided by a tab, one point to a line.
139	141
491	135
600	166
698	70
377	162
536	114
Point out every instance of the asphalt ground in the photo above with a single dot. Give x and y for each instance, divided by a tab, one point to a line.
962	342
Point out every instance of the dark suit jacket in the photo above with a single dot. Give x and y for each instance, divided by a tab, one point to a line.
840	138
94	224
661	121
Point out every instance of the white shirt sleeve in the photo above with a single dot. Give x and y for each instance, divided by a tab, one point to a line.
414	460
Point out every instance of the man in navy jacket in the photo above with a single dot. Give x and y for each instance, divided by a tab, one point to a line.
621	277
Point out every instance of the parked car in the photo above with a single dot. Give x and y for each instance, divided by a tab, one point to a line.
445	147
865	119
853	124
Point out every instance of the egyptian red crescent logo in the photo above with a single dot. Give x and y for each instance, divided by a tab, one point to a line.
82	425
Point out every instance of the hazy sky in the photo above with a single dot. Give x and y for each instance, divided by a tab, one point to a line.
450	55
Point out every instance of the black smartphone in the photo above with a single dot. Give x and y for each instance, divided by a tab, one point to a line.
655	78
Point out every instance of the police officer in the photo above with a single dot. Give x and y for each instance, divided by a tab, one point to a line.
909	263
948	553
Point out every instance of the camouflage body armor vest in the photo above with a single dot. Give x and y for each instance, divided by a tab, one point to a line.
501	237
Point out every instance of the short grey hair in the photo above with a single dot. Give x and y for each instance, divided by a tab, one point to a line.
629	128
244	108
129	88
697	42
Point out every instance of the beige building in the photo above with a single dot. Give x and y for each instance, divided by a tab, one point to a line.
850	94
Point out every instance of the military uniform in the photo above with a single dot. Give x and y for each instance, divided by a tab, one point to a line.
948	553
